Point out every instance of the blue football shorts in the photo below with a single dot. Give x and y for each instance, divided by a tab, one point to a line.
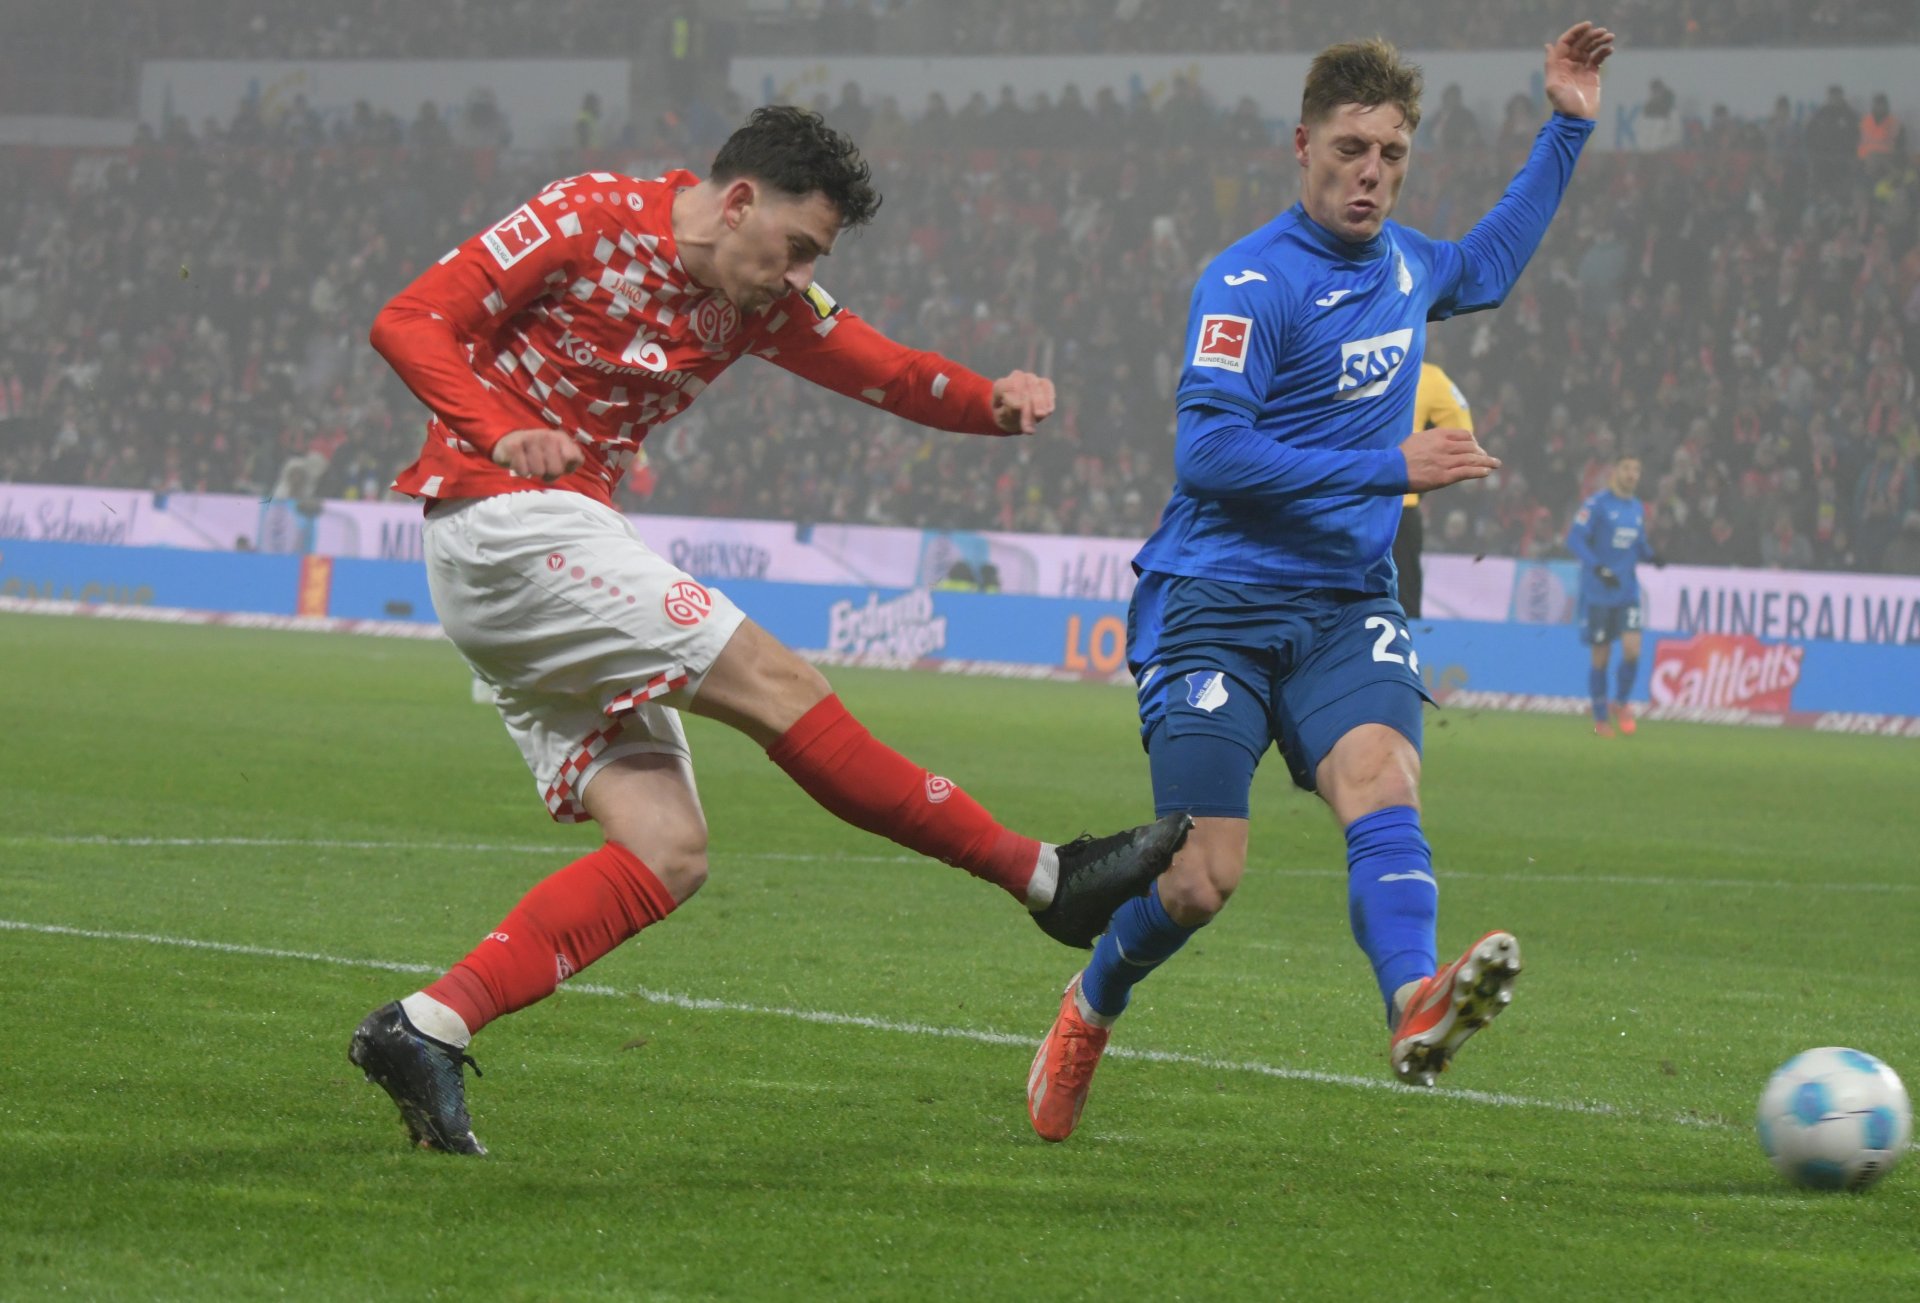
1225	670
1605	624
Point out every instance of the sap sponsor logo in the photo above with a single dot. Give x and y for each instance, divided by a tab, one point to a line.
518	234
901	630
1207	690
59	522
1368	366
1726	671
714	559
1223	341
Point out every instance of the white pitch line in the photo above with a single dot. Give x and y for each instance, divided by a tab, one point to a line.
803	857
827	1018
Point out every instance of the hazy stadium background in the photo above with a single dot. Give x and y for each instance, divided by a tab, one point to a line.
204	202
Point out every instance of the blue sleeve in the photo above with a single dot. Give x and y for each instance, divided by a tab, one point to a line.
1577	541
1236	325
1218	456
1480	270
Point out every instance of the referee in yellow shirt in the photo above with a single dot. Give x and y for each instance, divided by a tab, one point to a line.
1437	404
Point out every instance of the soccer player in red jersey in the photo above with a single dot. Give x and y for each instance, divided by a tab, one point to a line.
547	347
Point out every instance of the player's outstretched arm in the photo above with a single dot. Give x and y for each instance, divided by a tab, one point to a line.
423	333
818	340
1021	400
1489	258
1219	457
1572	82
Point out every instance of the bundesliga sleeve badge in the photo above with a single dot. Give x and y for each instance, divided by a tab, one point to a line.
1223	342
515	236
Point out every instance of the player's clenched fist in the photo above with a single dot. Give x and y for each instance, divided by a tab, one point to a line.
1021	400
539	454
1439	457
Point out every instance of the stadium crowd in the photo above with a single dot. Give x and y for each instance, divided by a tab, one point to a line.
296	29
1742	310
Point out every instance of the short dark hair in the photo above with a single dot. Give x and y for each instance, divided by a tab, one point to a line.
794	150
1369	72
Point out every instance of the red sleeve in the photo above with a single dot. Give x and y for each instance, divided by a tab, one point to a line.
818	340
426	332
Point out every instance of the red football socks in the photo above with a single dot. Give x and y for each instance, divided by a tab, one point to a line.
568	921
871	786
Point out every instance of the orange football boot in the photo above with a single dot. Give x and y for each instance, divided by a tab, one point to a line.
1623	718
1063	1069
1602	729
1452	1005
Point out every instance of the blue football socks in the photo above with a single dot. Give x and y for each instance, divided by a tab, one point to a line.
1623	681
1141	937
1597	689
1393	900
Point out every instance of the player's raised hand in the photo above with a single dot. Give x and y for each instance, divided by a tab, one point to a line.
539	454
1439	457
1021	400
1573	69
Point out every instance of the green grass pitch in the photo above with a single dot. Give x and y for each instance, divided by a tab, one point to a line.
219	848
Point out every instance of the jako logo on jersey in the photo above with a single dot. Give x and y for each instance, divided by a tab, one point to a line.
1368	366
938	789
644	352
1207	690
517	235
1333	297
1244	277
1223	342
687	603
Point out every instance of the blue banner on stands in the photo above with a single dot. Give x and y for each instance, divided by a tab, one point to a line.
997	632
149	576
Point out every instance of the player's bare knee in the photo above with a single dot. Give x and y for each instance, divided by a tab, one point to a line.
1199	885
681	870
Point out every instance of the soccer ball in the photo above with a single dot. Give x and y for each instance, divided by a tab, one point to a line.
1834	1119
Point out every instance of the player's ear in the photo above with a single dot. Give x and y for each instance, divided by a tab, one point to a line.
737	200
1300	142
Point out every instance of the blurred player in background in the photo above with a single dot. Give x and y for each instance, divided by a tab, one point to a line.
547	347
1265	611
1609	536
1438	404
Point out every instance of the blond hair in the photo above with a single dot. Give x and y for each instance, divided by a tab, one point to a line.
1369	72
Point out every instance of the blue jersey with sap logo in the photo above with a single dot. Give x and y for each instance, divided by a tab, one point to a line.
1610	531
1302	356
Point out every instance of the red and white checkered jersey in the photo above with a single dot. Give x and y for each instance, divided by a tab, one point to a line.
574	312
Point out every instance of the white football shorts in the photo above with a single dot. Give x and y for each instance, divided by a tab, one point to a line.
587	637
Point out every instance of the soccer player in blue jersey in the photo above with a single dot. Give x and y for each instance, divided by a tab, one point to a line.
1609	535
1266	610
